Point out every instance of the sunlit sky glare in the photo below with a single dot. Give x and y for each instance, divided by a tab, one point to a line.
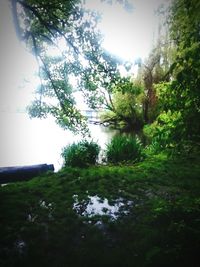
16	65
128	35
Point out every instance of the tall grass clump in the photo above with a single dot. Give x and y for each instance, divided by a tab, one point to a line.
124	149
81	154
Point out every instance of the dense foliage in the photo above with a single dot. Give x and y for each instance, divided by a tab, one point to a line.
81	154
126	110
64	37
123	148
179	97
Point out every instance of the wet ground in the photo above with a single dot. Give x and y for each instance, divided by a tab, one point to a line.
142	216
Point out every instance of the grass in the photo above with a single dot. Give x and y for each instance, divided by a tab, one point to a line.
81	154
123	148
158	225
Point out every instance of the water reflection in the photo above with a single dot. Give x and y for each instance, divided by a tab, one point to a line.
20	246
25	142
95	205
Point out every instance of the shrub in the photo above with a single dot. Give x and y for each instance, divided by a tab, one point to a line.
162	134
123	148
81	154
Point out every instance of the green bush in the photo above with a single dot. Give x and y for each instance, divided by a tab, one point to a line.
123	148
162	133
81	154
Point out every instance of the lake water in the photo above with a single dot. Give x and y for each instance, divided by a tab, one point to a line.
25	141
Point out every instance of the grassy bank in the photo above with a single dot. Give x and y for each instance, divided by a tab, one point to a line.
151	216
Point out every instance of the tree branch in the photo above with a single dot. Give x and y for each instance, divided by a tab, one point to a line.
15	18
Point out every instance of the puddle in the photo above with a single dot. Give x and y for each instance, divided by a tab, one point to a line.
31	218
20	246
2	185
47	207
95	205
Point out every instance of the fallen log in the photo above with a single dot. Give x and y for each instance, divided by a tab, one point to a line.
23	173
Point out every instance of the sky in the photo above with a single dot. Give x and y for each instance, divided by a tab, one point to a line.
16	64
128	35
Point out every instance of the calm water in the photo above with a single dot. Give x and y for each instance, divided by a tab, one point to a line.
25	142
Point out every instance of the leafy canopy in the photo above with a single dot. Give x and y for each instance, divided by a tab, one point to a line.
180	97
71	30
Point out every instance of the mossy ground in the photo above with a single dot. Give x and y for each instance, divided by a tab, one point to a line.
161	226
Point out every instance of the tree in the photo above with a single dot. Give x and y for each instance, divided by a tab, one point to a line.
181	97
136	102
178	125
126	110
150	77
42	23
48	23
95	70
153	71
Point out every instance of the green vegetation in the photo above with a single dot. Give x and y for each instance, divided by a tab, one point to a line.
150	214
45	221
165	91
179	98
126	112
82	154
123	148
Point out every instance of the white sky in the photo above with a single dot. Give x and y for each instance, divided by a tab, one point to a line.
16	64
128	35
